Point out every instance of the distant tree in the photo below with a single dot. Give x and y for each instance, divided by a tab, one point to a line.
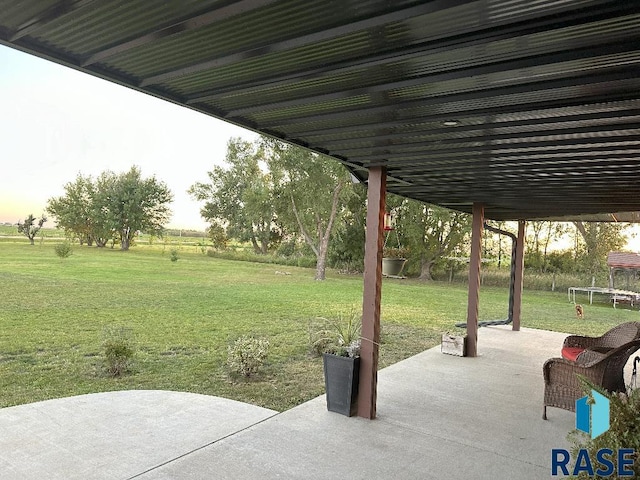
129	203
112	207
313	191
537	249
218	236
598	239
30	228
74	211
241	195
429	232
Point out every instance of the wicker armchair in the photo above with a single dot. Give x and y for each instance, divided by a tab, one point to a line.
618	335
602	365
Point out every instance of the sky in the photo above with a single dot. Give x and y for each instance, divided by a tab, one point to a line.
56	122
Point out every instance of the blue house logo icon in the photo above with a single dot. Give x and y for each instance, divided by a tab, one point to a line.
592	418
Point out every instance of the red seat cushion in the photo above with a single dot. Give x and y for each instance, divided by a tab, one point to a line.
571	353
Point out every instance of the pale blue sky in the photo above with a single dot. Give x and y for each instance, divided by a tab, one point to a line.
56	122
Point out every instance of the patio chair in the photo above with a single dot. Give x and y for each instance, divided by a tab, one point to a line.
602	365
574	345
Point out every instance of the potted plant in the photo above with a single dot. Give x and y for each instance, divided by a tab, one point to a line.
393	260
340	343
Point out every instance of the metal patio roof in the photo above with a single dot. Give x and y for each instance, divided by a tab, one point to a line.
530	107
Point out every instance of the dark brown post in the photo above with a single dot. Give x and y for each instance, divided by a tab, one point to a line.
474	279
517	290
376	204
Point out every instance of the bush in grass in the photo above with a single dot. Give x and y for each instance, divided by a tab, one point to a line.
173	254
118	350
63	250
247	355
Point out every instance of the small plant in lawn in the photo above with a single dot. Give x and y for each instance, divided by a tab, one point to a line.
247	355
173	255
63	250
118	350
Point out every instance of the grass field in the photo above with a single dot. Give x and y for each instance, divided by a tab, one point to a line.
184	314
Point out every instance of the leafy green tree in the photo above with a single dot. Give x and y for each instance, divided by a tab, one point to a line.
598	239
114	206
30	228
347	246
313	191
241	195
540	235
129	203
429	232
74	210
218	235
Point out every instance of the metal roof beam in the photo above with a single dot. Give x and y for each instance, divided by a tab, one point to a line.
311	38
479	38
55	12
545	112
533	164
410	138
507	66
174	28
598	82
531	148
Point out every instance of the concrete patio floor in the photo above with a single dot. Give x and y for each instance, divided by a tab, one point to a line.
439	417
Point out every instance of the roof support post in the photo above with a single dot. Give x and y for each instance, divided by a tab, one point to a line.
376	205
474	279
517	291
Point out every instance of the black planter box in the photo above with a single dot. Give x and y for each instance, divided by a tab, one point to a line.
341	377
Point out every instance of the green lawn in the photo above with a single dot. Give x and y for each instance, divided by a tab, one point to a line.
184	315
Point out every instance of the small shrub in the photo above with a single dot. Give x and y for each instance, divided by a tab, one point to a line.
218	236
247	355
63	250
173	254
624	431
306	262
118	350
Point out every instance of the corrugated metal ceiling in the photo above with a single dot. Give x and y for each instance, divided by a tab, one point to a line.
532	108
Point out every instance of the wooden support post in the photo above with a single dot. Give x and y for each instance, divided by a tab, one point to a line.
517	290
376	205
474	279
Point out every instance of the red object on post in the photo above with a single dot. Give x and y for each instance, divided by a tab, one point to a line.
388	222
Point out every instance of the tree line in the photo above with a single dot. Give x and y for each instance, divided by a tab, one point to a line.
285	200
282	198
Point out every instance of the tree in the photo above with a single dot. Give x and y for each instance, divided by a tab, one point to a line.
599	238
29	227
315	189
241	195
74	210
114	206
129	203
544	233
429	232
347	245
